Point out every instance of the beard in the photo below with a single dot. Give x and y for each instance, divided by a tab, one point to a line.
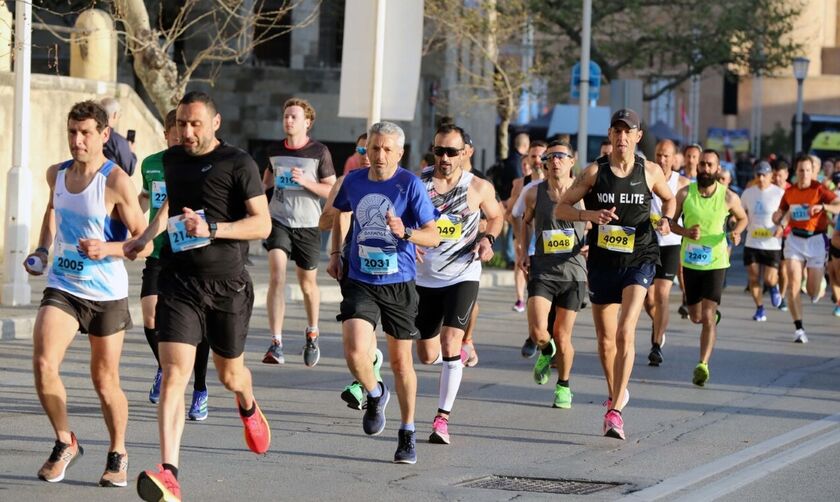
705	180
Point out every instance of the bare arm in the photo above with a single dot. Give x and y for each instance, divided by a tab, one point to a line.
45	238
320	188
583	183
493	213
736	210
676	227
515	190
143	199
256	225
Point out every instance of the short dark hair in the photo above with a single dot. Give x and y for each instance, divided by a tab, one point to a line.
538	142
199	97
429	158
447	128
711	151
802	157
560	142
362	136
695	145
606	142
169	121
89	110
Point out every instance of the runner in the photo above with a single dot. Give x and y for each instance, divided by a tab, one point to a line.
623	251
806	203
691	154
301	173
705	206
92	202
204	291
556	272
658	297
780	179
448	275
152	198
392	214
764	238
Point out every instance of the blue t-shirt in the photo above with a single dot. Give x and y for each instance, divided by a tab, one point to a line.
376	255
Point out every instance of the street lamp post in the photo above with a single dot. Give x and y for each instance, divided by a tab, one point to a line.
800	71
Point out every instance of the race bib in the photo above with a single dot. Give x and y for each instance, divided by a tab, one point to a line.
70	263
695	254
449	227
179	239
158	194
616	238
799	212
762	233
558	241
654	219
377	261
283	179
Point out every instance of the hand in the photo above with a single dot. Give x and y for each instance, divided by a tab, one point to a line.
694	233
663	227
524	263
815	209
297	175
37	255
92	248
334	267
735	237
483	250
584	251
606	215
195	224
780	231
395	224
134	247
419	254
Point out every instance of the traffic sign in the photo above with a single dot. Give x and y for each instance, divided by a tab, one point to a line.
594	81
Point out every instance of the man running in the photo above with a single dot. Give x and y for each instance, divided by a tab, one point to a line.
658	296
448	275
806	203
691	155
764	238
623	251
152	198
215	202
780	179
301	174
556	272
92	203
705	207
391	214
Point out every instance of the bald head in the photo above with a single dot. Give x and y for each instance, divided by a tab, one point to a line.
666	155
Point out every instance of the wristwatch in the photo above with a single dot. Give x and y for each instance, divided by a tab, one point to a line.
213	227
666	218
490	238
407	235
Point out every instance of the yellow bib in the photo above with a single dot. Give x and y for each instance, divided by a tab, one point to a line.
762	233
616	238
558	241
448	230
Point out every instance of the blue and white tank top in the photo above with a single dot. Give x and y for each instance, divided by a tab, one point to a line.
453	261
82	216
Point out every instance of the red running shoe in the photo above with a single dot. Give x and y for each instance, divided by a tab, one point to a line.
158	486
257	432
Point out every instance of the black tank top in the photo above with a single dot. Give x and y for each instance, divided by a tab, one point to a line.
631	198
558	244
526	179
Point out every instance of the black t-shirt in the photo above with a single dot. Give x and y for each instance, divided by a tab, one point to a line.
219	183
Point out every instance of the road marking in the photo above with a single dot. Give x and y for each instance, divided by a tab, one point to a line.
728	463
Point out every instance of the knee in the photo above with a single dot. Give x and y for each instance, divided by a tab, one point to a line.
402	366
309	286
229	379
44	368
105	381
277	279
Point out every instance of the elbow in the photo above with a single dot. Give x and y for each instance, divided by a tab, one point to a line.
264	228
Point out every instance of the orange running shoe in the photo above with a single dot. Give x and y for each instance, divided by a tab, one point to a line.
257	432
158	486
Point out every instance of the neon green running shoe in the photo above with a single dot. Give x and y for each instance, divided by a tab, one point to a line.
542	368
562	397
701	374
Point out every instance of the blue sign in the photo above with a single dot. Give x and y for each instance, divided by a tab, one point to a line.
594	81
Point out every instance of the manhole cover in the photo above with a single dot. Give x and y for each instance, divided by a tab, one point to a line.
540	485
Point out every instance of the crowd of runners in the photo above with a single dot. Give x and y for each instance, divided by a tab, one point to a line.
407	250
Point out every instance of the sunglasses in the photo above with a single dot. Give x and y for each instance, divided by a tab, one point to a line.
361	150
449	151
555	155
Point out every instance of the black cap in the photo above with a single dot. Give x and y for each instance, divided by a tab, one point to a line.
628	116
467	139
763	167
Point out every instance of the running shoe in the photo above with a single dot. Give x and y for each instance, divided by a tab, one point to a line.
529	348
373	422
353	395
116	470
701	374
776	297
613	425
718	317
469	357
154	392
377	365
158	486
406	448
837	311
542	368
783	305
683	311
198	408
608	402
274	354
799	336
63	455
256	430
562	397
440	431
519	306
655	357
311	351
760	315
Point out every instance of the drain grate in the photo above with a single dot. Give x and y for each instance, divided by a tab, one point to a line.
540	485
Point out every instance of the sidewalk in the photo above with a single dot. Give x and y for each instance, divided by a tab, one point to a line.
17	322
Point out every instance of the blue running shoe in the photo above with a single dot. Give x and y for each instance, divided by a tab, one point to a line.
406	448
373	421
154	392
775	296
760	315
198	408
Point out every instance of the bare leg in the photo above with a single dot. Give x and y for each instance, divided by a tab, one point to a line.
358	339
105	374
276	298
311	294
405	380
177	361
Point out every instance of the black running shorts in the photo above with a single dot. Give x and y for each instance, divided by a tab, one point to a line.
703	285
669	256
95	318
766	257
396	304
447	306
568	295
151	272
606	284
303	245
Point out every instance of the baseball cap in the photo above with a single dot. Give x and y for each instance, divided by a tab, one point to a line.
628	116
763	167
467	139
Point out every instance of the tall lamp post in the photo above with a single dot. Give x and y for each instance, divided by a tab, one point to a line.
800	71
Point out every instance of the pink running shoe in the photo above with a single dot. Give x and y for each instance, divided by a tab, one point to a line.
613	425
440	431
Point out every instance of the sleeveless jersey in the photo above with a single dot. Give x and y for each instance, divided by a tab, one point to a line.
453	261
558	243
82	216
671	239
628	241
710	251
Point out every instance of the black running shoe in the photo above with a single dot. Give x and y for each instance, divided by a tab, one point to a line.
655	357
529	348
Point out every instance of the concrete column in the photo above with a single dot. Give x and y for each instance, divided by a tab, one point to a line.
5	38
93	47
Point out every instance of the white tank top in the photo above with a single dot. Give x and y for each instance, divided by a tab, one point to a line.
79	216
671	239
453	261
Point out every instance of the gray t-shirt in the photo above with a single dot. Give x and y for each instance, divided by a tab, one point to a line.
292	205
